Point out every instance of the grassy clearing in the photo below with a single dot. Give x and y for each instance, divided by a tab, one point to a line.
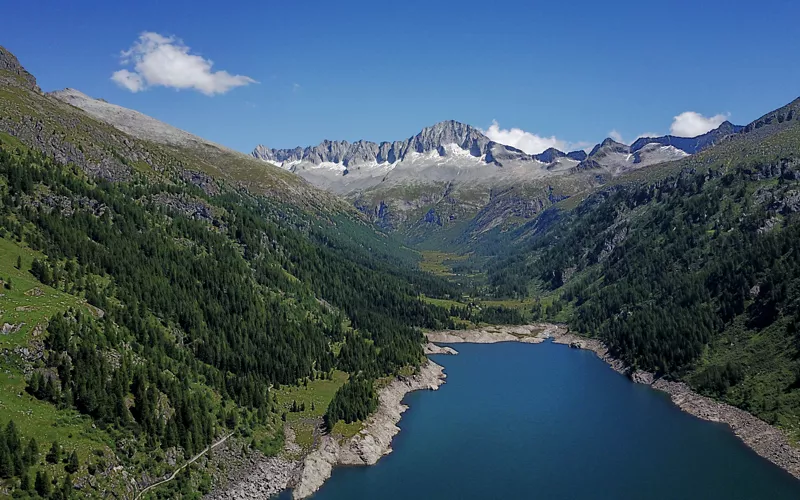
440	263
441	302
28	301
47	423
313	399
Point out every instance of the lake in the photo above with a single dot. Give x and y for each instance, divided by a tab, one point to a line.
546	421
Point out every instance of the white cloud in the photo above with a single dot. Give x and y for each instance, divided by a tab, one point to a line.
526	141
616	136
128	80
691	124
165	61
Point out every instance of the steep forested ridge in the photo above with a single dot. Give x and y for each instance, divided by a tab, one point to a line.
198	303
695	275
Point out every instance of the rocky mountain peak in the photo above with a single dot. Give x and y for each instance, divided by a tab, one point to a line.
609	145
434	138
449	132
578	155
12	72
550	155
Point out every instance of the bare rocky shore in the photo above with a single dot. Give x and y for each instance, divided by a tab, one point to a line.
766	440
257	477
532	334
374	440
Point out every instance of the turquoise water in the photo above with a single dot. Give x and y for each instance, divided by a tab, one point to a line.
546	421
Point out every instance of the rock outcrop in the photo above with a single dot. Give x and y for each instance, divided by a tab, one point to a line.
431	348
433	138
12	72
255	476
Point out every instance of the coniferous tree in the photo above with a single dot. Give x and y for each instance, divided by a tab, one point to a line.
6	461
54	455
31	454
72	464
42	484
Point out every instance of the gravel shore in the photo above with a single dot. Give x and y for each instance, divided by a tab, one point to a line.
768	441
532	334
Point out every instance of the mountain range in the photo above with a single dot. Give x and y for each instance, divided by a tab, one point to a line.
451	173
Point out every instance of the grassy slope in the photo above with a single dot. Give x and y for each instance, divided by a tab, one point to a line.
50	125
32	416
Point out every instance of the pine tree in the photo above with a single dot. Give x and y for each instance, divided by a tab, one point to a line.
6	463
19	262
14	447
42	484
54	455
66	487
31	455
25	482
72	465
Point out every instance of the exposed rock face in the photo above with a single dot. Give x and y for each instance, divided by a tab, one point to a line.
550	155
616	158
374	441
9	328
433	138
455	172
129	121
12	72
578	155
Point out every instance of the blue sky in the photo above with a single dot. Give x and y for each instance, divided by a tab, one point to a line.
573	71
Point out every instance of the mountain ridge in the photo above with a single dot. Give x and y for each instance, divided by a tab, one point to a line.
435	137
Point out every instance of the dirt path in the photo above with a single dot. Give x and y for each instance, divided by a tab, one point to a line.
190	462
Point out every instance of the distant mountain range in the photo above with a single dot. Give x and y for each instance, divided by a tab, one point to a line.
447	150
451	173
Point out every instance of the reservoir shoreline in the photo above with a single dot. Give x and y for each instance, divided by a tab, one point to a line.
306	476
271	475
766	440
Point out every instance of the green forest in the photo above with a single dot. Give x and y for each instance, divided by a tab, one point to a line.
191	319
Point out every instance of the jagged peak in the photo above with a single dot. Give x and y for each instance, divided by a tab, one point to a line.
450	128
609	144
578	155
432	138
550	155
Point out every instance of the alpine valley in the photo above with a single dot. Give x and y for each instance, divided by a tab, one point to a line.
452	180
180	319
